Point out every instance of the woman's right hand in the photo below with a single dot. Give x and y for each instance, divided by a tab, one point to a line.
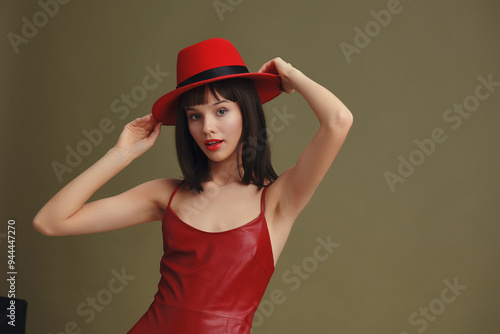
139	135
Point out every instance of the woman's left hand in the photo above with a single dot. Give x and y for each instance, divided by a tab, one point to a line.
279	67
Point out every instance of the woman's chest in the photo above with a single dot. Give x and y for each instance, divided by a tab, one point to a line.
216	212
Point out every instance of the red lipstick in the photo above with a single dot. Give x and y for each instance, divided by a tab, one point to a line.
213	144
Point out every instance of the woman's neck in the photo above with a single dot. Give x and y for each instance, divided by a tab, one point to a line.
223	172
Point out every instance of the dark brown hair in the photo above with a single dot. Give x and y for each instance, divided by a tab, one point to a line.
255	149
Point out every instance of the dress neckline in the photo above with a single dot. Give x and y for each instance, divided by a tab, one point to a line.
261	215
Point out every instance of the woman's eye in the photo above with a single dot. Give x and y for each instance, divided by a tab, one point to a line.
221	112
194	116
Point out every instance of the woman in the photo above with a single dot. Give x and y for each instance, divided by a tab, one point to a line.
218	257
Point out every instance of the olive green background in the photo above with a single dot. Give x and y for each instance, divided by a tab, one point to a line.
396	248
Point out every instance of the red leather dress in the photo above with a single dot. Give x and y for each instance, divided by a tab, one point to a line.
211	282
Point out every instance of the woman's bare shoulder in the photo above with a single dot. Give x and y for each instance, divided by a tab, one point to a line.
161	189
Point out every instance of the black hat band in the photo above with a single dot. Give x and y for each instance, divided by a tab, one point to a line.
214	73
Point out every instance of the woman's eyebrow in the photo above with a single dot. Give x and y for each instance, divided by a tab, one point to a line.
221	101
216	103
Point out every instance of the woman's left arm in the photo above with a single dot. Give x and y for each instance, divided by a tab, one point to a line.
298	183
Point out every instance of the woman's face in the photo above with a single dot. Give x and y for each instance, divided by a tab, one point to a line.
216	127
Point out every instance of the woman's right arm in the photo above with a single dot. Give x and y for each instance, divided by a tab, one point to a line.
67	213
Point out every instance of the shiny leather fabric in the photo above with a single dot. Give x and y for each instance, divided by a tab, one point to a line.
211	282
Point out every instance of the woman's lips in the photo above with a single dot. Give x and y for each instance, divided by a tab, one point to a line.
213	144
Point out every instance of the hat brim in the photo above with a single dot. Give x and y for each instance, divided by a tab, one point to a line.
165	108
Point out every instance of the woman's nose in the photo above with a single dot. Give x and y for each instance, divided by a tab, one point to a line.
209	126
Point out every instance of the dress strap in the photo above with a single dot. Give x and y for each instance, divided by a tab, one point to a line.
175	190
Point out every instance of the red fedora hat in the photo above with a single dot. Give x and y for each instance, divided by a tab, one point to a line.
207	61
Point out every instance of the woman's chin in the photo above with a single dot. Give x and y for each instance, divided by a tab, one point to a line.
217	158
220	156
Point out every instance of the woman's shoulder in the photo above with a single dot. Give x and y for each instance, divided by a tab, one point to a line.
162	189
164	183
